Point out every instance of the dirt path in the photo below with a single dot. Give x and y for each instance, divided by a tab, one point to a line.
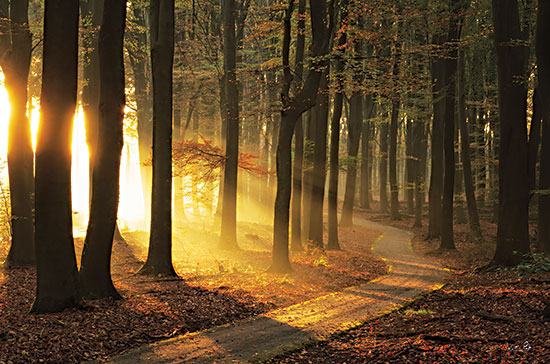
283	329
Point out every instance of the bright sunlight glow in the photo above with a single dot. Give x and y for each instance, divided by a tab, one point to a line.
131	206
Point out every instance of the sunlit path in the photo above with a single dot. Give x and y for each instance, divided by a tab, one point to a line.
277	331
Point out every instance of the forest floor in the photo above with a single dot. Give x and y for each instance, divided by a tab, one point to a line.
487	316
216	288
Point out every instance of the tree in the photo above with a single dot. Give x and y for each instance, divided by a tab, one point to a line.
95	272
512	234
15	58
139	63
383	166
543	65
228	235
159	257
455	26
296	222
319	124
332	243
438	130
473	215
292	109
355	123
57	278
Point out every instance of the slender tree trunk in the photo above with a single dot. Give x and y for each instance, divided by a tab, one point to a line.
447	233
355	124
512	234
228	235
57	285
420	153
394	197
438	129
543	63
290	113
410	173
319	166
473	215
296	226
138	61
95	268
383	167
15	64
159	258
364	191
92	13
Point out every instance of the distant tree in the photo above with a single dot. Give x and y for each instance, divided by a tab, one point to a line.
473	214
15	58
159	257
512	234
139	62
57	278
437	135
95	268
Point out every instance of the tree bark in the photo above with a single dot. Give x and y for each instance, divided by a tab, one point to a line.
383	167
57	285
512	234
159	257
543	63
95	267
438	130
290	113
139	63
394	192
15	58
319	164
355	123
296	226
228	234
447	233
473	215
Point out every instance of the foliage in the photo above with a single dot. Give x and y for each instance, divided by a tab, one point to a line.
532	263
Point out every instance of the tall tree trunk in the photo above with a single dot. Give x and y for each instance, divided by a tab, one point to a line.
447	233
383	167
473	215
296	223
319	164
95	268
394	192
92	12
290	113
139	63
512	234
159	257
438	130
410	173
56	274
543	63
228	235
15	58
355	124
333	243
420	146
364	191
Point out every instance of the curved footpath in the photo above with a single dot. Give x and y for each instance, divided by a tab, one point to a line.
264	336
